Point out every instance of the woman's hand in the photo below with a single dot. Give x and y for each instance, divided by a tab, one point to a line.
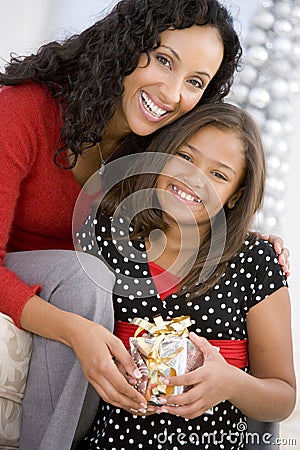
97	350
151	409
210	383
282	252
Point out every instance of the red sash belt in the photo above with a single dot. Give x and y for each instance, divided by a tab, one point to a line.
234	351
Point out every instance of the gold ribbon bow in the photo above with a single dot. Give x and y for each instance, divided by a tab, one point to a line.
177	326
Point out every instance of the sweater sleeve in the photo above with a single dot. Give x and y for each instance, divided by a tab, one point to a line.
18	146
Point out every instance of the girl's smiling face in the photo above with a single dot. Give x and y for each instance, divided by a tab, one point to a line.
172	83
203	176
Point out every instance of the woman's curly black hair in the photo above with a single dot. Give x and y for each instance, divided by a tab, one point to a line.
86	71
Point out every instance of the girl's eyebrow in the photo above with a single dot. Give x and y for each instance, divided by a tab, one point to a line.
218	163
178	58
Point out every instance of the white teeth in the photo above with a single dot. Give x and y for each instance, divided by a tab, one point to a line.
185	196
154	109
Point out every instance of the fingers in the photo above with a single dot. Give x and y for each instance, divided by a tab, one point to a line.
283	259
285	264
130	380
100	369
187	398
187	412
202	343
118	350
149	411
265	236
282	252
210	353
189	405
276	241
114	389
286	253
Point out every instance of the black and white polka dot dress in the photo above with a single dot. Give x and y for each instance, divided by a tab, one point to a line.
220	314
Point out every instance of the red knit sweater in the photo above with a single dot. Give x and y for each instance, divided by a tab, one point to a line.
36	197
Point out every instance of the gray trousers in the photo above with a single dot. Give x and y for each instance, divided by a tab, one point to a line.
59	403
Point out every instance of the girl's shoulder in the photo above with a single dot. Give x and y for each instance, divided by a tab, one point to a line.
258	258
257	249
258	269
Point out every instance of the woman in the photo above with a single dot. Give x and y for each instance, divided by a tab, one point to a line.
128	75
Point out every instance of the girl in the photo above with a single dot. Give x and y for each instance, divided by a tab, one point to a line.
202	176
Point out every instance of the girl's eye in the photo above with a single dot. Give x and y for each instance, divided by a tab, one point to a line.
196	83
219	175
163	60
184	156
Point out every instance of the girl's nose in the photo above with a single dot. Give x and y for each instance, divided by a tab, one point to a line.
195	178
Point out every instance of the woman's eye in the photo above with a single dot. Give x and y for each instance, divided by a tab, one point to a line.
163	60
196	83
184	156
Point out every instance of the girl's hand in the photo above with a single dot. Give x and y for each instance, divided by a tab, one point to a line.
282	252
148	412
211	383
97	350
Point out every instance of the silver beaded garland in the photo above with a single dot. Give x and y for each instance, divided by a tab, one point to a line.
266	88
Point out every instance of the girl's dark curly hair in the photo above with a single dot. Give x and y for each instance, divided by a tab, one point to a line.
86	71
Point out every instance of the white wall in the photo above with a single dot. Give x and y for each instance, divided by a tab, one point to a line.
291	222
24	26
290	229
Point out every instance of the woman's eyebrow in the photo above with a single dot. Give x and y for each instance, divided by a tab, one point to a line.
179	59
173	51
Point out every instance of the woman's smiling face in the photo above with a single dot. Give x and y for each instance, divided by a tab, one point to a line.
203	176
173	82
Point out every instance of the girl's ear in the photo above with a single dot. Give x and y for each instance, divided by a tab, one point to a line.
235	197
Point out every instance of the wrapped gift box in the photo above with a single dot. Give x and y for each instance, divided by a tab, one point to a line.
163	350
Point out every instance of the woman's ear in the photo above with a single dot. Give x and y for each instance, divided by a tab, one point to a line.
234	198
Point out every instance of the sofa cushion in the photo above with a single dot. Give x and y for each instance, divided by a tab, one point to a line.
15	352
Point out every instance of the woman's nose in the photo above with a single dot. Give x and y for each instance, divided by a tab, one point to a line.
171	90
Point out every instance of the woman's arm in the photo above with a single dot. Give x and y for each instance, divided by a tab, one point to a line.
95	348
268	394
18	147
20	143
